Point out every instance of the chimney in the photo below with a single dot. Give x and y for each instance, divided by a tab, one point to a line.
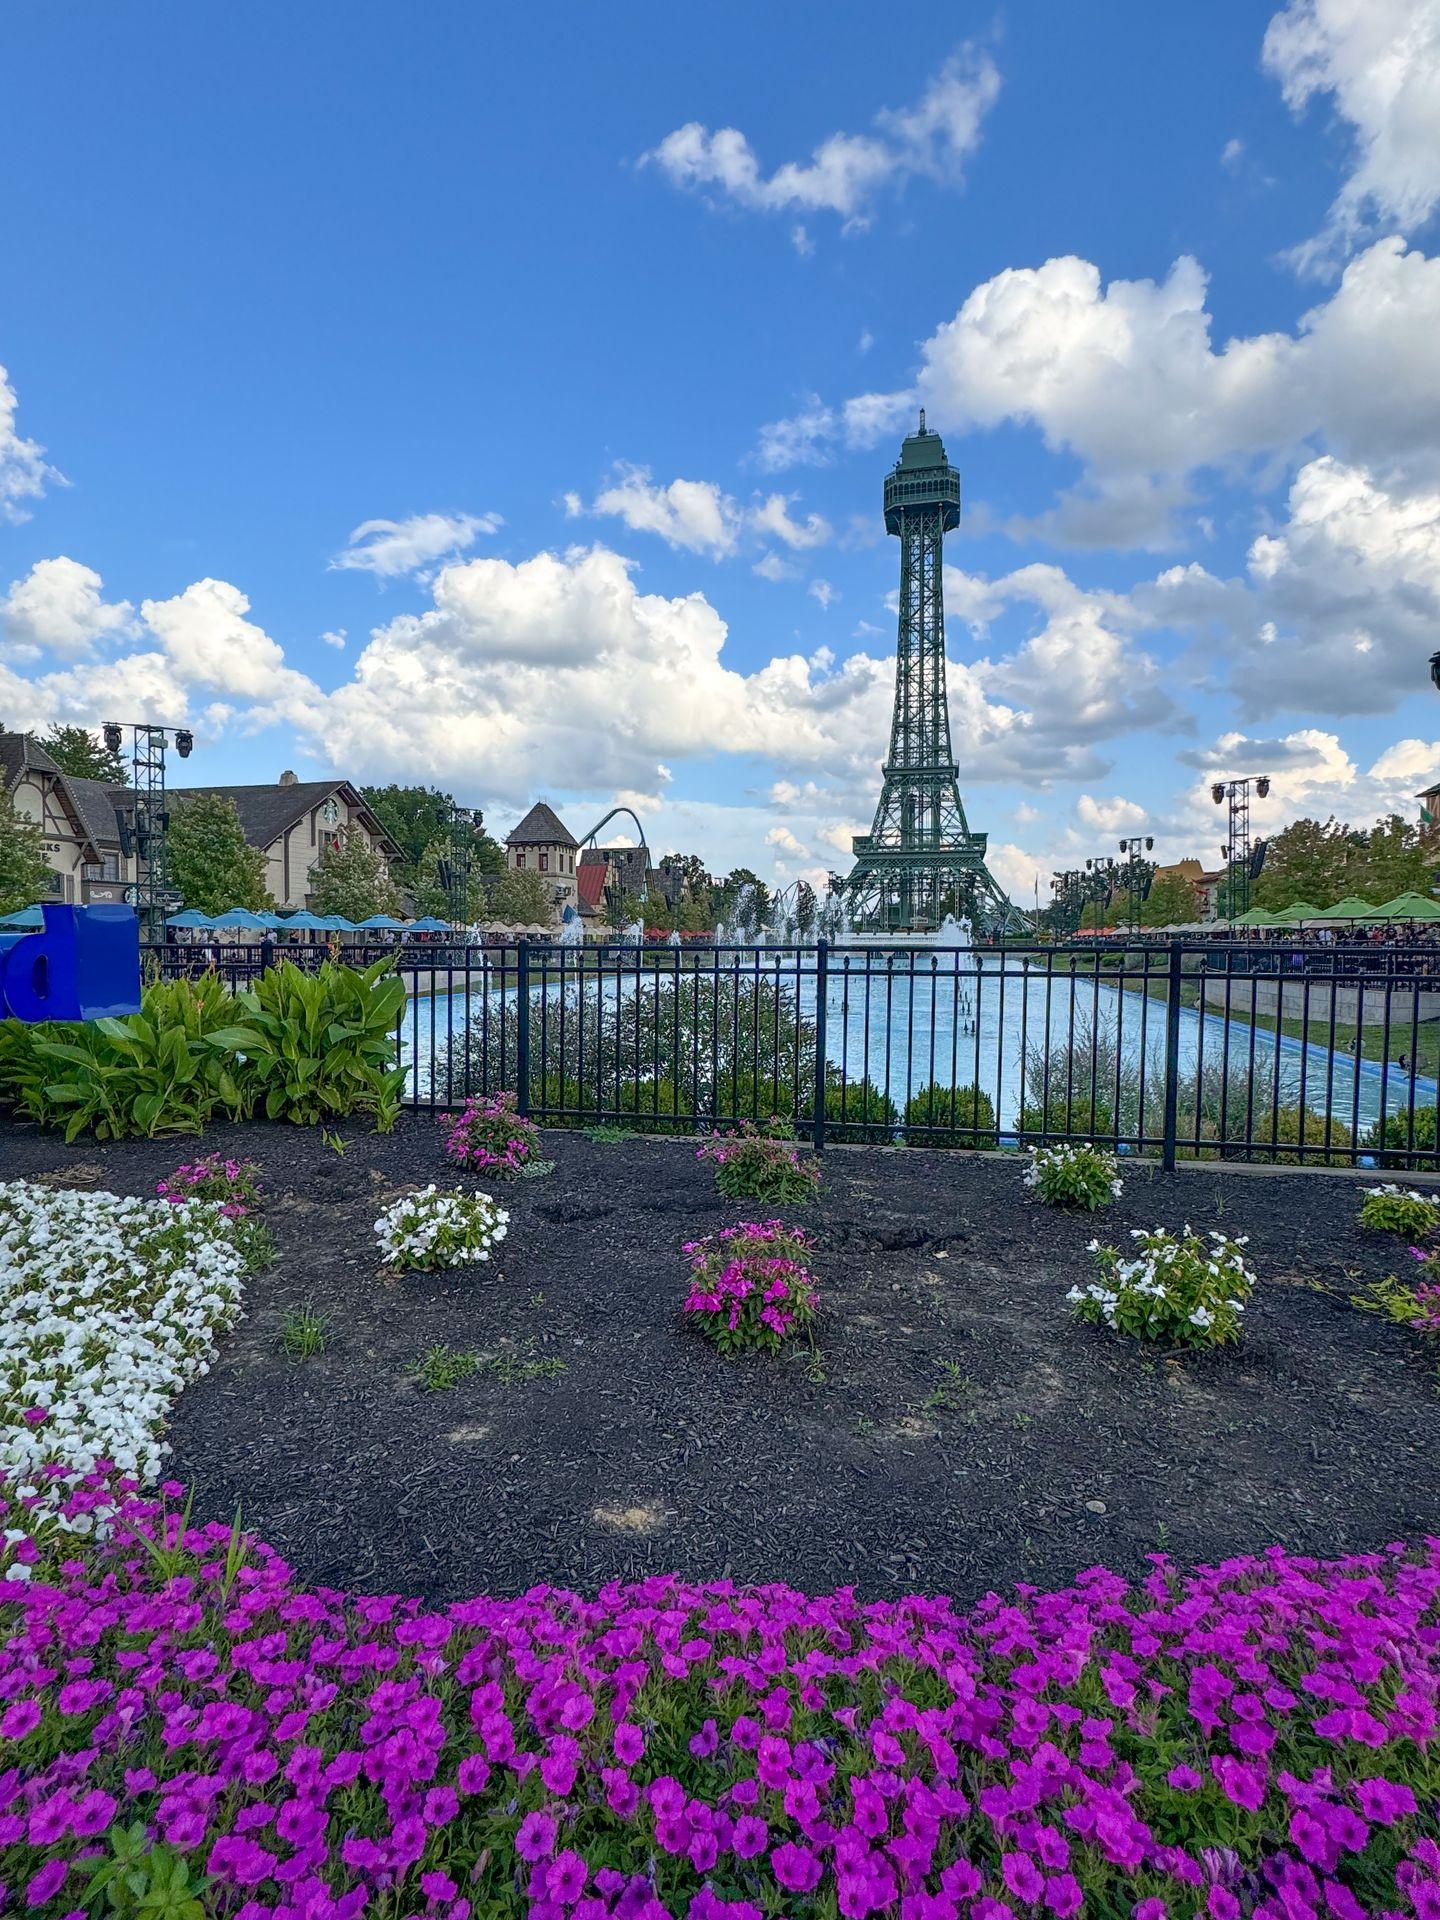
288	778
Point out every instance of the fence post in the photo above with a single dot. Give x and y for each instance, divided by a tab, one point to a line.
1172	1055
822	975
522	1027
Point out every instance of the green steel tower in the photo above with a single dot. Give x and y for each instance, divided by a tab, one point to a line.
920	861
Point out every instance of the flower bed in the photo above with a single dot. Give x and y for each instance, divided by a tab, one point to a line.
751	1286
108	1307
1253	1738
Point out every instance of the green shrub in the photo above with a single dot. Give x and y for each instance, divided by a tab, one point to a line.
300	1047
153	1072
1060	1119
941	1116
1073	1176
751	1165
1317	1132
1391	1209
859	1111
1179	1290
317	1045
1392	1141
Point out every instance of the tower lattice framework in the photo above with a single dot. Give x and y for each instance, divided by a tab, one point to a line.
920	861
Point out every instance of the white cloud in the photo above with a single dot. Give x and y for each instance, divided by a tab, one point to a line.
822	591
24	471
771	567
784	841
58	608
1350	587
865	342
845	172
1125	379
695	515
1231	154
209	643
1115	815
1311	775
801	241
334	637
772	518
1379	61
391	547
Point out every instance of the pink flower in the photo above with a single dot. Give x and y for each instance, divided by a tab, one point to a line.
535	1839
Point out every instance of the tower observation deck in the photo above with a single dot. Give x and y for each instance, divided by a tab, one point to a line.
920	861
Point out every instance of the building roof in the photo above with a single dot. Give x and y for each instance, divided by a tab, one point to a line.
590	878
22	753
94	803
267	811
541	827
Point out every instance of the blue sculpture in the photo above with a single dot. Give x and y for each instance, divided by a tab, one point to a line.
84	966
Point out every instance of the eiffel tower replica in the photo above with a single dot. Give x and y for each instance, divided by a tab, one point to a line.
920	861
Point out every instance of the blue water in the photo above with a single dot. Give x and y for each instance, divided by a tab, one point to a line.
956	1027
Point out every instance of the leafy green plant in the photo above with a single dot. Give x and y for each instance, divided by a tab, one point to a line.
302	1333
441	1368
750	1165
941	1116
320	1045
857	1112
1404	1140
1179	1291
1413	1301
1073	1176
149	1073
137	1878
514	1366
1392	1209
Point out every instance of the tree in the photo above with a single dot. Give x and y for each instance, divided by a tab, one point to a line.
520	898
352	878
415	817
426	888
622	909
25	875
806	908
694	913
1310	860
1171	902
212	864
76	751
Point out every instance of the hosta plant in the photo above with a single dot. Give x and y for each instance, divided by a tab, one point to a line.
1177	1290
1257	1738
755	1165
153	1072
430	1229
751	1287
318	1045
108	1307
1392	1209
1075	1176
488	1136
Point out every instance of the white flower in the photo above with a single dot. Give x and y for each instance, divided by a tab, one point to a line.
109	1306
432	1229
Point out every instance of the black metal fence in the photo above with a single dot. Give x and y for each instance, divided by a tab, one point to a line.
1178	1051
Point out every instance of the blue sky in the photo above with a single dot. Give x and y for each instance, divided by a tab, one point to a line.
611	392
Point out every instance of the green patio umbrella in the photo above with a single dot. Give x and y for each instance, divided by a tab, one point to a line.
1410	906
1292	915
1350	908
1256	917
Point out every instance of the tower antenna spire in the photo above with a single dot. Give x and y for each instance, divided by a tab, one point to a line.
920	861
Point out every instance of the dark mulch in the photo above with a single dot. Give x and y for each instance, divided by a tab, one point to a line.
959	1430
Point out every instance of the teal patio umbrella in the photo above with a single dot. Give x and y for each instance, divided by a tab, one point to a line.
385	920
303	922
238	917
336	923
24	917
429	925
191	917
